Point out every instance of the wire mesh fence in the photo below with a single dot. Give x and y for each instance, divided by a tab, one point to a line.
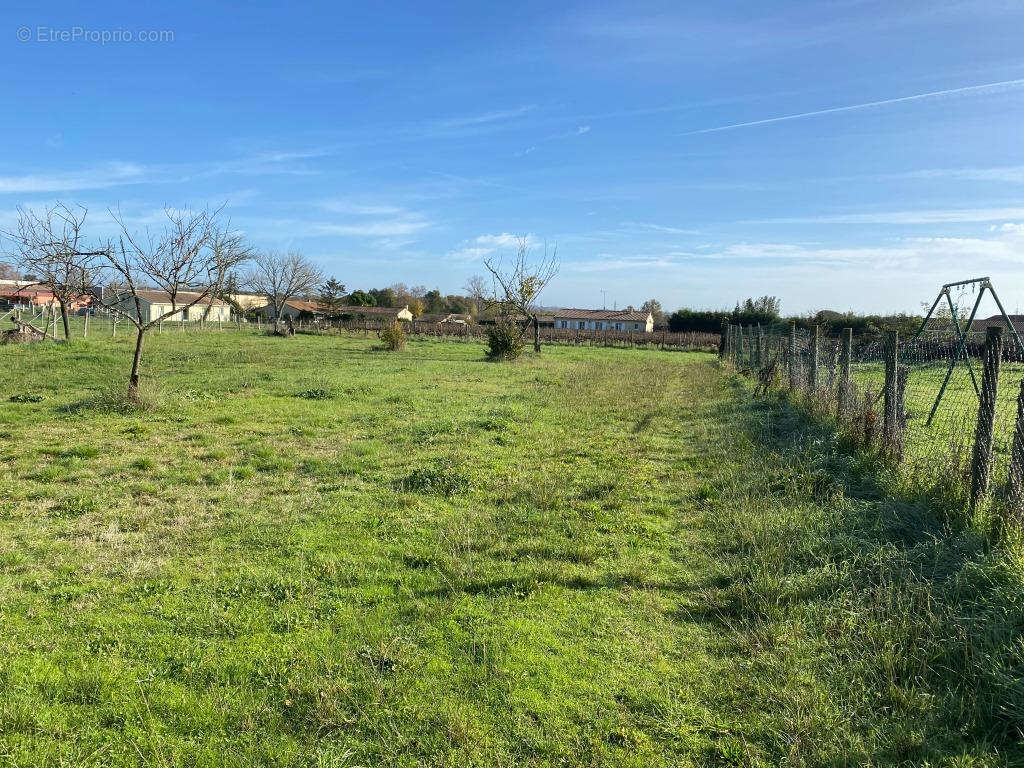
946	406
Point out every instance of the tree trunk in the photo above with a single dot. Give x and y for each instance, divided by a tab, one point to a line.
536	335
64	319
133	379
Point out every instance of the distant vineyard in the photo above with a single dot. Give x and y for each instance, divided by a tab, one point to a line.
688	341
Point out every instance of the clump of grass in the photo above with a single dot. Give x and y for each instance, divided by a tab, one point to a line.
442	478
81	452
315	394
76	506
320	390
119	399
26	398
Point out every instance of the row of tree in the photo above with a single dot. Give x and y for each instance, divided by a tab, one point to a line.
766	311
193	258
196	257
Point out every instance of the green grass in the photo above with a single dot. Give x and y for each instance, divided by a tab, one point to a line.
935	451
309	552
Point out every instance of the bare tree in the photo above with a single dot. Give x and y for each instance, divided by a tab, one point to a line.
521	284
476	288
186	260
283	277
8	271
231	249
49	245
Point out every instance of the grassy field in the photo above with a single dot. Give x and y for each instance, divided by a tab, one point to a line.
311	552
947	440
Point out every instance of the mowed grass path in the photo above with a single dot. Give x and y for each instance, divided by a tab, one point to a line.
314	553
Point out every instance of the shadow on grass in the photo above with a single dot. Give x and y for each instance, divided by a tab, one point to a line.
914	614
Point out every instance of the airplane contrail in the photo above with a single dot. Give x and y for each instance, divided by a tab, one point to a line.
1005	84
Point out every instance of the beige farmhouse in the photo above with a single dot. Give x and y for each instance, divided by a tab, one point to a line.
155	304
604	320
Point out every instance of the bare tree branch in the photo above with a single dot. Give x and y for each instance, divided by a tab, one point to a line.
188	259
519	286
50	246
283	277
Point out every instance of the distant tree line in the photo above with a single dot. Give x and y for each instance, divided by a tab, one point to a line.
419	300
766	310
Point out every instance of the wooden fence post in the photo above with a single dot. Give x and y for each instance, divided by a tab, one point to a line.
1015	490
845	353
981	465
812	368
794	367
759	349
889	415
723	340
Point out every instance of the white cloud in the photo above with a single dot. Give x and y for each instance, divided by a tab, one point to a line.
484	245
349	207
391	227
370	219
582	129
96	177
643	226
935	216
486	117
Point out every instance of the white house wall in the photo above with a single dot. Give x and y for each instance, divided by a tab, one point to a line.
604	325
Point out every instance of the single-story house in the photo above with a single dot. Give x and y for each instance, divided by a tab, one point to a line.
490	317
293	309
156	303
247	301
375	313
998	320
604	320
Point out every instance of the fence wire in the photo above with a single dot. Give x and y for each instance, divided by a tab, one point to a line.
918	402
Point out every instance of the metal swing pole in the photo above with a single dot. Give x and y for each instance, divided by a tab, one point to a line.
961	346
962	335
1006	317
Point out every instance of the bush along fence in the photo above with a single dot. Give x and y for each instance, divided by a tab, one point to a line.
946	407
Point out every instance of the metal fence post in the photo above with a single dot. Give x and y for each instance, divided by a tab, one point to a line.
1015	491
981	465
889	415
845	353
794	368
900	425
812	373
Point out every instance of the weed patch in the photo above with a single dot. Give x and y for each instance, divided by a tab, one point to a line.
443	478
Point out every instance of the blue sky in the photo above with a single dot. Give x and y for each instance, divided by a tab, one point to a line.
408	142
